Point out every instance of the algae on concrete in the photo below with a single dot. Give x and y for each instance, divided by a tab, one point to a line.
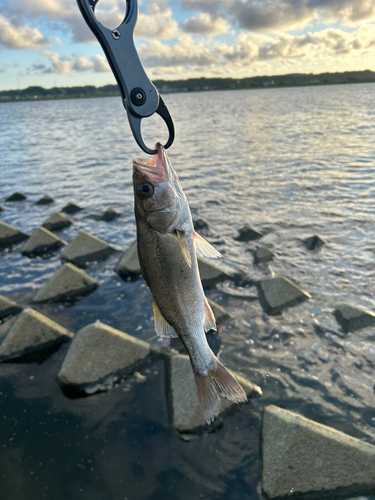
277	294
99	351
10	235
187	415
57	221
85	248
8	307
32	331
67	283
41	241
353	318
303	457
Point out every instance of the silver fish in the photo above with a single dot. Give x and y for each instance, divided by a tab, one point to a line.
167	250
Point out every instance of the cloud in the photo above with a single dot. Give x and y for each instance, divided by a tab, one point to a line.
14	35
158	22
271	15
205	24
69	65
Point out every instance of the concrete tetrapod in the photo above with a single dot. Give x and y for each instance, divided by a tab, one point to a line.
17	196
41	241
85	248
8	307
10	235
353	318
57	221
67	283
128	266
219	312
45	200
277	294
31	332
304	459
187	414
100	354
71	208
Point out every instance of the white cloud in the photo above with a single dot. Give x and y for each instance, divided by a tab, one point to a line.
157	23
205	24
14	35
69	65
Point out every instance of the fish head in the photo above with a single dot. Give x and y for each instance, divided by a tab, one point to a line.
159	198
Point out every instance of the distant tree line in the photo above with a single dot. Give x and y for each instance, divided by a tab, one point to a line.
193	85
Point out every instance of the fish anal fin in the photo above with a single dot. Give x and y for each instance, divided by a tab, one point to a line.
205	249
209	321
162	327
181	236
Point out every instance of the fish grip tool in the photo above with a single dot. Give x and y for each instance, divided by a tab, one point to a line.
139	96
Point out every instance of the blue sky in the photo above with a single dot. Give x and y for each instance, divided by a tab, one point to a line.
46	42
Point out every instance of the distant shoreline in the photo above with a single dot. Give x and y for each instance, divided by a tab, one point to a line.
192	85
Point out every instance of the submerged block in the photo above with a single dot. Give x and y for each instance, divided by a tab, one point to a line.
41	241
247	233
128	265
8	307
10	235
110	214
1	209
200	225
67	283
353	318
277	294
45	200
314	242
212	273
302	457
85	248
17	196
262	255
32	331
99	351
71	208
187	414
219	312
57	221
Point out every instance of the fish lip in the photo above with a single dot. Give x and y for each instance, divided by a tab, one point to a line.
157	165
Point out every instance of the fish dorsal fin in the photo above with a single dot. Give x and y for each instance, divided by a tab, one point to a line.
163	329
181	236
209	321
205	249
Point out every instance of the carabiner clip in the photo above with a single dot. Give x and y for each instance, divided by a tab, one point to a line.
139	96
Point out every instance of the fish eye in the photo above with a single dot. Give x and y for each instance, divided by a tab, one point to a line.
145	190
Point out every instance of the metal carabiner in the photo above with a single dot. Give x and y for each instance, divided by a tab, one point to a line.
140	97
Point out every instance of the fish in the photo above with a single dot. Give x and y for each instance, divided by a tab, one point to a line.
167	249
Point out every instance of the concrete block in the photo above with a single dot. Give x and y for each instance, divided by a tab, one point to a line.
8	307
353	318
32	331
200	225
57	221
110	214
85	248
45	200
303	457
187	414
67	283
98	352
128	266
10	235
41	241
17	196
314	242
247	233
277	294
1	209
219	312
71	208
212	273
262	255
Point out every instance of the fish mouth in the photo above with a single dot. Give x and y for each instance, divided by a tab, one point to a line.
155	168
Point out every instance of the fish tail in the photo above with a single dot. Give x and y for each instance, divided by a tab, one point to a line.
216	382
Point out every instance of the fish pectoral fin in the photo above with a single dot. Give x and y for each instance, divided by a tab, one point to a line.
162	327
180	235
209	321
205	249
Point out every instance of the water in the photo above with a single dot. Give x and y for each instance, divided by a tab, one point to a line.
290	162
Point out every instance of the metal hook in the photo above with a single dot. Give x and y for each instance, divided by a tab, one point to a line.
140	97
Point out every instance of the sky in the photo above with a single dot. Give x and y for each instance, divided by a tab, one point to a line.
47	42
